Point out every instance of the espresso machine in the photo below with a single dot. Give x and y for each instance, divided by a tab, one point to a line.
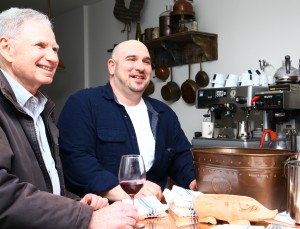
282	103
236	122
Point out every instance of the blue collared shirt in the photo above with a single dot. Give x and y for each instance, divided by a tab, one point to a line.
33	106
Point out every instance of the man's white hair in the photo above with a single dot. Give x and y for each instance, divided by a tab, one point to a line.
11	20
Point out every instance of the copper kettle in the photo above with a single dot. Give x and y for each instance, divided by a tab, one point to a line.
183	7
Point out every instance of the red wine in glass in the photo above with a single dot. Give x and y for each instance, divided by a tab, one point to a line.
132	176
131	187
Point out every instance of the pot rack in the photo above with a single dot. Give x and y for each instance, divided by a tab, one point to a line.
183	48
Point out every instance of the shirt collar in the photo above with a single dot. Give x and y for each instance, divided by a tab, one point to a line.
22	95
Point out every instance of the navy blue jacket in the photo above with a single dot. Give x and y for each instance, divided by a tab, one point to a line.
95	131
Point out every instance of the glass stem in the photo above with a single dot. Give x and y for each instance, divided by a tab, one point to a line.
132	197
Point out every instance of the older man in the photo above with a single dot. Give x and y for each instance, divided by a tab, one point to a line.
99	125
32	190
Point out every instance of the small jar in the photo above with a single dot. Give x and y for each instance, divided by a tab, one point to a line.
138	32
155	32
164	22
194	25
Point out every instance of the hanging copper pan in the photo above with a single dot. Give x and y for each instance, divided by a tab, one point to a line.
201	78
171	91
189	89
162	72
150	88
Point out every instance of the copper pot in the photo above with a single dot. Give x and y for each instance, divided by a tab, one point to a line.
189	89
183	6
201	78
258	173
162	72
150	88
171	91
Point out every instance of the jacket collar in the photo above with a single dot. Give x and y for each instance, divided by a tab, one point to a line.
108	92
5	87
7	91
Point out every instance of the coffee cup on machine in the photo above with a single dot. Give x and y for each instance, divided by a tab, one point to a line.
271	79
217	85
232	77
231	81
218	79
245	79
207	129
256	80
263	81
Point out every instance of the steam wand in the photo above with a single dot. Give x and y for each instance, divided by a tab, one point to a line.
248	110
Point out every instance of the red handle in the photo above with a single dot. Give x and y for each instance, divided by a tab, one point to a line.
272	134
254	99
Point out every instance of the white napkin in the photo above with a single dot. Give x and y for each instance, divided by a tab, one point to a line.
230	226
180	200
149	207
284	217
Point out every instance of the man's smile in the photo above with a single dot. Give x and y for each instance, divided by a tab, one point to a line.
46	68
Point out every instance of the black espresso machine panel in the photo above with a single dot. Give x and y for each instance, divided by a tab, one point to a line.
278	100
240	96
212	96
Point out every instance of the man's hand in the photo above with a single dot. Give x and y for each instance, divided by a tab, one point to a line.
115	216
193	185
95	201
150	189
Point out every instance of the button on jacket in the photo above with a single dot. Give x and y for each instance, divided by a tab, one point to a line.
26	199
95	131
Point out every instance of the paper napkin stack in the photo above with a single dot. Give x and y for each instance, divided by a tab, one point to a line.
180	200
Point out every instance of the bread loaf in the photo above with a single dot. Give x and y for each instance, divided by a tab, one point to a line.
234	209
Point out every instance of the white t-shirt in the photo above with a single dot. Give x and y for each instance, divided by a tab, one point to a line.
140	120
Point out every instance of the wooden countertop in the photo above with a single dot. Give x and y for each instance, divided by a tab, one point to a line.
172	221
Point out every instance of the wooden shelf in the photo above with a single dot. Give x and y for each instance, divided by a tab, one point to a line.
183	48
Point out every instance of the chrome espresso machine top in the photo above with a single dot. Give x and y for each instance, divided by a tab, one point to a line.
228	108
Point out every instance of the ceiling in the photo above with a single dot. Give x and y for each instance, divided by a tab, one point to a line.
58	7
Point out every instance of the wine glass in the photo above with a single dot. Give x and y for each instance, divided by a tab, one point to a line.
132	176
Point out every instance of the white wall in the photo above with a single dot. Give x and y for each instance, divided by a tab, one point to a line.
70	37
247	32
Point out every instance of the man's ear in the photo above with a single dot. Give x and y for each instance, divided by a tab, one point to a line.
6	48
111	64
